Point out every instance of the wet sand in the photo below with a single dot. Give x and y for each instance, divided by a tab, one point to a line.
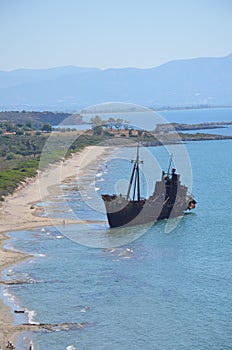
19	213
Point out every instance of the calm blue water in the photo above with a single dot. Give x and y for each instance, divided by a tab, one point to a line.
226	131
194	116
161	291
189	116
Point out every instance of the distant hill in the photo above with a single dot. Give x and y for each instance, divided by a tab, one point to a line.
37	119
177	83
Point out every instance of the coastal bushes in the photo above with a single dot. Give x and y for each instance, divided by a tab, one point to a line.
16	146
12	178
20	155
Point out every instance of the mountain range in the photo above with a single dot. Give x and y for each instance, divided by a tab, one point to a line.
180	83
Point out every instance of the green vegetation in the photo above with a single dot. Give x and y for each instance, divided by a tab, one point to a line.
20	151
10	179
37	119
98	130
47	128
21	144
20	148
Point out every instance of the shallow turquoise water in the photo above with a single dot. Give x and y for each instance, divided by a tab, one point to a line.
161	291
191	116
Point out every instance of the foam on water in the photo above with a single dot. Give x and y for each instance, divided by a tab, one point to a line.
10	297
41	255
31	315
99	174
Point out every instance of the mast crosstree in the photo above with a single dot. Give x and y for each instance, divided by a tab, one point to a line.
135	178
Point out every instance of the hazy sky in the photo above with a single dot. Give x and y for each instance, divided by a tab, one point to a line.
111	33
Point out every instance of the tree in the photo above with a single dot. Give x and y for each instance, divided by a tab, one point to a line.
47	128
11	155
98	130
19	132
10	127
28	124
96	120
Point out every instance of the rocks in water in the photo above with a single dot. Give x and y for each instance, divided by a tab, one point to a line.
54	327
19	311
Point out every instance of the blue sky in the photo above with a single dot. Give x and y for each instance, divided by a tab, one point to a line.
119	33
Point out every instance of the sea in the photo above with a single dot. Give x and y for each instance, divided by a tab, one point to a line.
165	286
151	118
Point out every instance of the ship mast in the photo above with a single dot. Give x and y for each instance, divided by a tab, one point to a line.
170	163
135	178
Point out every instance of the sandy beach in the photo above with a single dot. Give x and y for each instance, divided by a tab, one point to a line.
18	213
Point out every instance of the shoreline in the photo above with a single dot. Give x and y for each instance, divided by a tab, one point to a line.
25	217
